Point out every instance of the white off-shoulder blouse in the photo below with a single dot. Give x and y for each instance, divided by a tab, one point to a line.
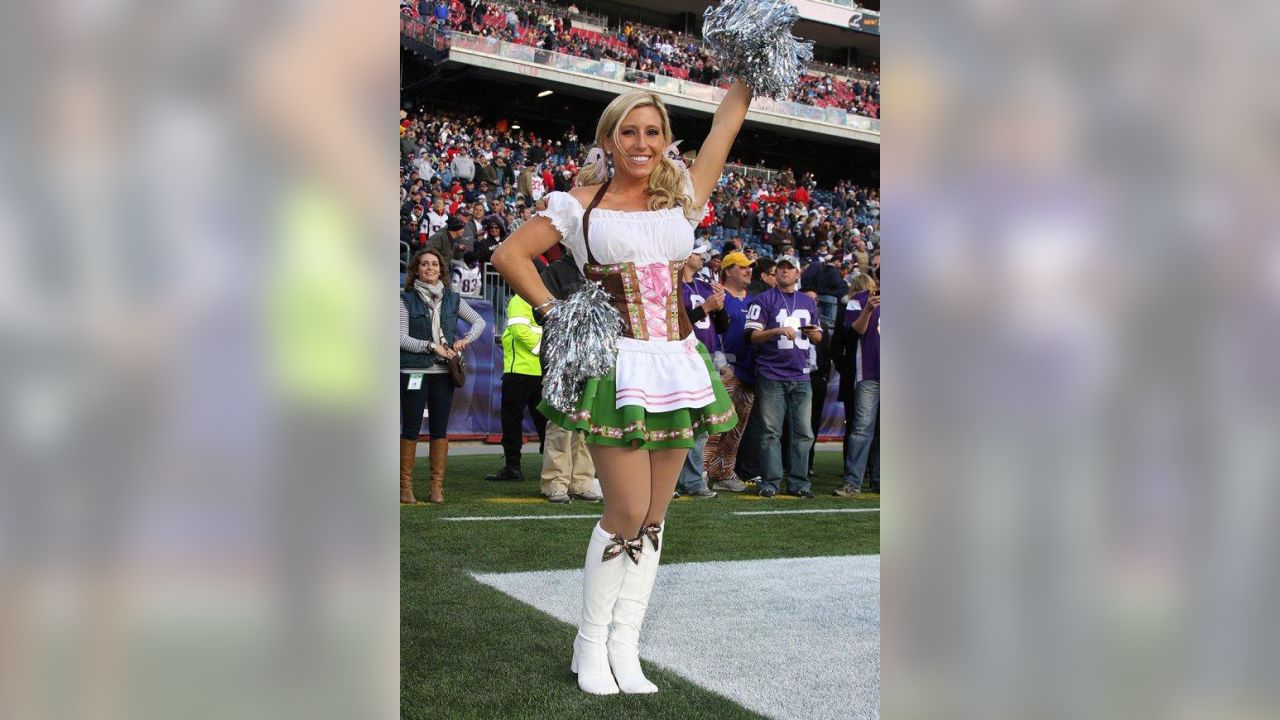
660	373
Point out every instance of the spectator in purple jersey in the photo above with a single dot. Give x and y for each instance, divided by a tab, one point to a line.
739	378
844	347
747	461
860	329
783	325
704	303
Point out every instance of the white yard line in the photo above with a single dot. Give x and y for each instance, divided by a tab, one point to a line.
805	512
523	517
583	517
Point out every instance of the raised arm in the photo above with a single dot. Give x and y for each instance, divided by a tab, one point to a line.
725	125
864	317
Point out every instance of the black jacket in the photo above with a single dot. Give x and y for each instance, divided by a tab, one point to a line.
844	349
562	277
822	374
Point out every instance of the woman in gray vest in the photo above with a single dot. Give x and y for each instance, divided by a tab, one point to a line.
429	314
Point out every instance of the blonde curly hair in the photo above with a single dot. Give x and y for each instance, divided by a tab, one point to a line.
667	181
861	281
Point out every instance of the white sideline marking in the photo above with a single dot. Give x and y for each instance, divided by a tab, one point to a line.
582	517
803	512
524	517
791	638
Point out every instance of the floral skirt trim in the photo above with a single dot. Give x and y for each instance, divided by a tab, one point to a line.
633	426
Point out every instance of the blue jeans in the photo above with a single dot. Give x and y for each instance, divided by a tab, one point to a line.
690	479
791	400
873	463
866	404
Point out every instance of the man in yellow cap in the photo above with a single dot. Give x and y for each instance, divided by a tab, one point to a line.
739	376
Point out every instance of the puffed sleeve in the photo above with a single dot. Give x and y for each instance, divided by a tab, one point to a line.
566	214
688	189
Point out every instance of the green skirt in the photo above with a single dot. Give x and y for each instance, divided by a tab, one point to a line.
633	426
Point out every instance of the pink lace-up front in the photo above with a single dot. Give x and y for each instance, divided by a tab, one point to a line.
655	291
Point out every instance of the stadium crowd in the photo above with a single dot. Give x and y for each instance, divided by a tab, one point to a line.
467	184
493	175
645	50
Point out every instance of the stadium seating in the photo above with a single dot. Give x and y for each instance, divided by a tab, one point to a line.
645	45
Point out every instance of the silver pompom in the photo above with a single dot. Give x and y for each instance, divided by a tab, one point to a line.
579	341
751	40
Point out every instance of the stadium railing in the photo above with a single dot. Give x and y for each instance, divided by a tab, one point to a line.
589	18
619	72
761	172
852	4
495	289
842	71
426	33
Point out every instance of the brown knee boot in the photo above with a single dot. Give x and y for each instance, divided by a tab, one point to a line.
408	456
439	459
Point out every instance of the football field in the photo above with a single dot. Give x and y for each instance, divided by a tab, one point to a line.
762	608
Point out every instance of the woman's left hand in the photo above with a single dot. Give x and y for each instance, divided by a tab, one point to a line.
459	344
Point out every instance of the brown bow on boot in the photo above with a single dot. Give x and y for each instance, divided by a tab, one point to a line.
439	459
408	456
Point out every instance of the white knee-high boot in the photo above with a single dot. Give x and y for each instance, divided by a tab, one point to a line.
608	558
629	611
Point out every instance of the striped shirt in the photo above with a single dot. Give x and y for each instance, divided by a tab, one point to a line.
412	344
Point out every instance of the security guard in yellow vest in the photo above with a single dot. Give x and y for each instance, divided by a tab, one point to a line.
521	384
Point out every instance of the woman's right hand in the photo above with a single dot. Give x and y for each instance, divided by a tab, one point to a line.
445	351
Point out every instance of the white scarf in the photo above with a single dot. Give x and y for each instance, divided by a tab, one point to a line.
432	295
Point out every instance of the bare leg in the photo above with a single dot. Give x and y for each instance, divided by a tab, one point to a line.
664	470
625	479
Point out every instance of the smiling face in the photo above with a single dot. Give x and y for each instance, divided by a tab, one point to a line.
639	143
737	277
429	268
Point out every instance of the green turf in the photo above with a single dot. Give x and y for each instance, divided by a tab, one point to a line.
469	651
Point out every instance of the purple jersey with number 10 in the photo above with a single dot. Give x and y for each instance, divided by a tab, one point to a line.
781	358
694	294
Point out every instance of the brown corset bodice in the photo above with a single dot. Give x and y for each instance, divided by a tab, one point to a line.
626	285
